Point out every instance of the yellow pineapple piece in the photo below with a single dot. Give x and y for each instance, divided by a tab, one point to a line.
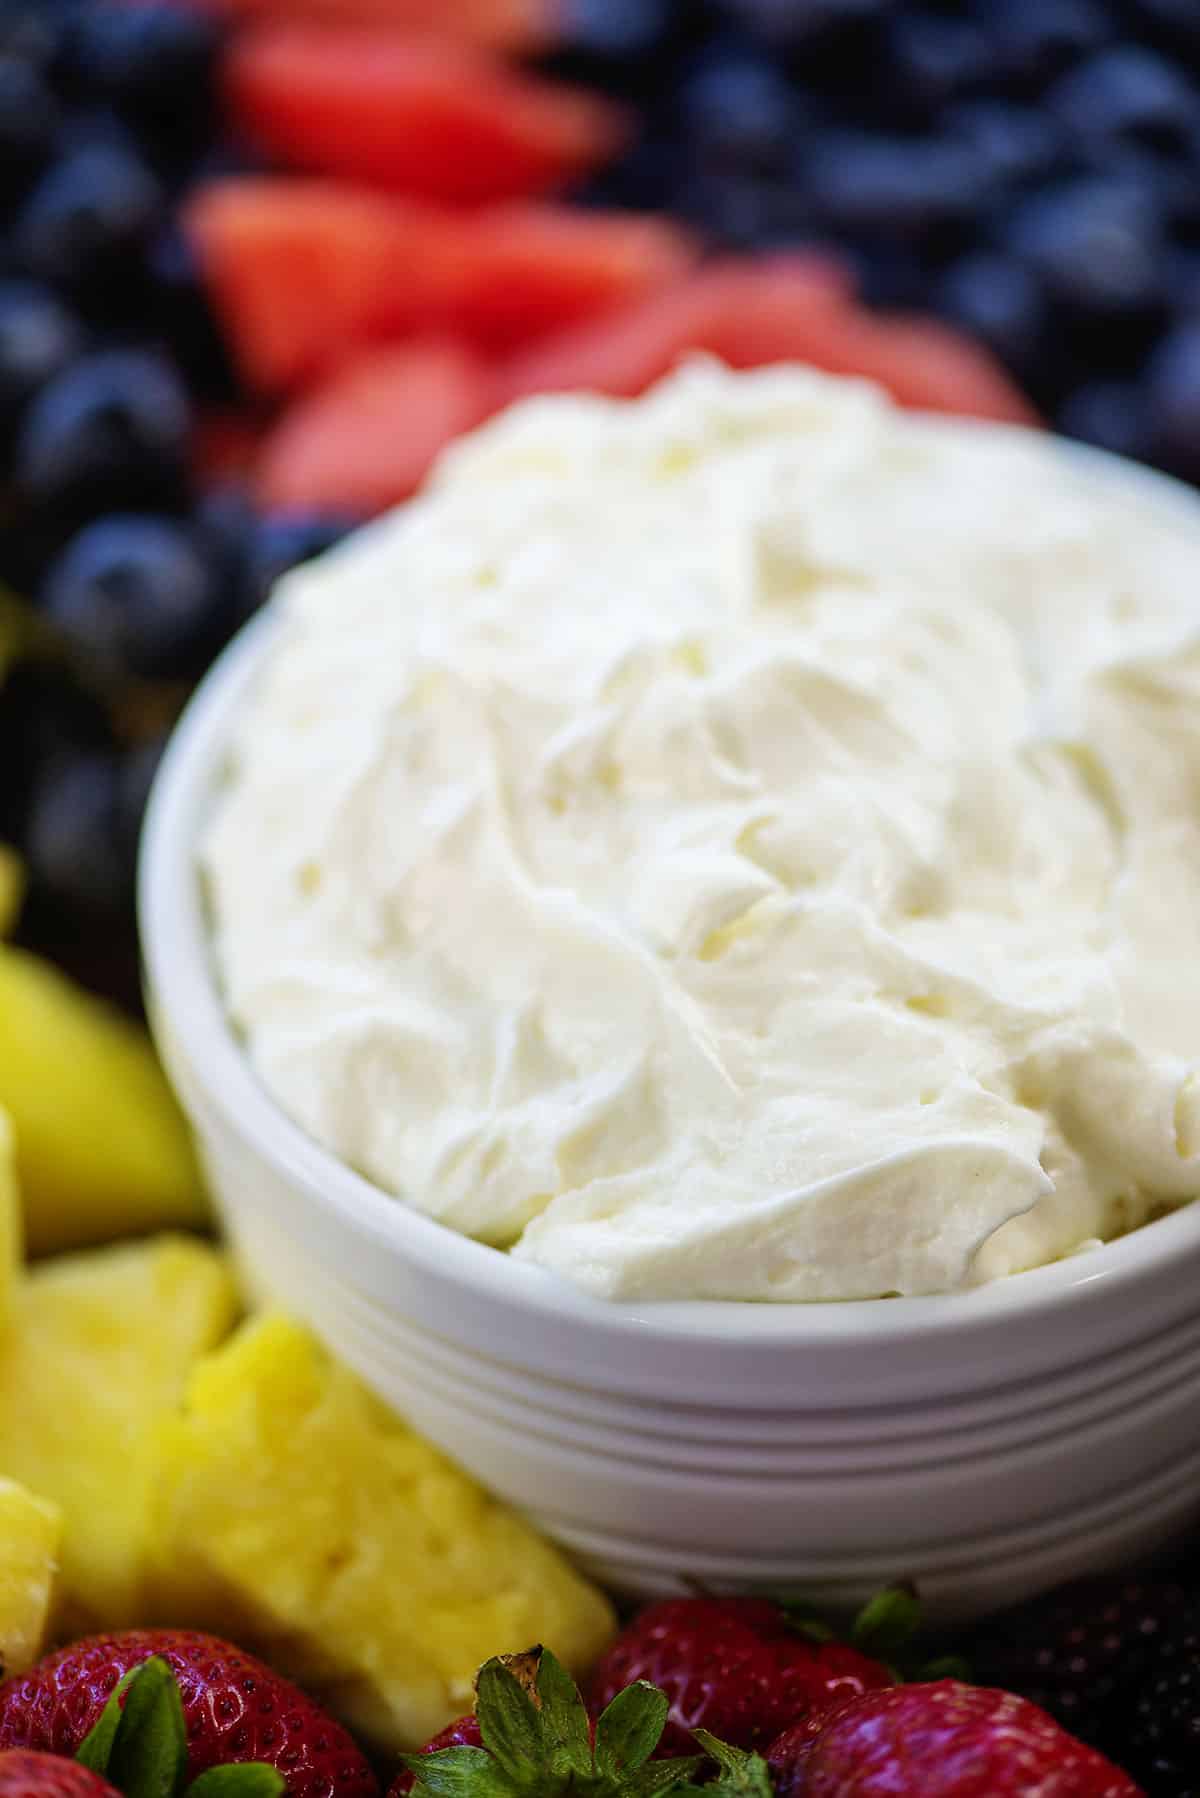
99	1351
10	1221
12	887
304	1517
102	1149
30	1534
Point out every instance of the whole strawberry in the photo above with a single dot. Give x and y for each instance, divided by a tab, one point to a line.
735	1667
464	1732
25	1774
948	1740
235	1709
1077	1650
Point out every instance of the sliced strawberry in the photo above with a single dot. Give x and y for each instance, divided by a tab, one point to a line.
518	25
419	116
366	438
780	309
746	312
529	269
302	271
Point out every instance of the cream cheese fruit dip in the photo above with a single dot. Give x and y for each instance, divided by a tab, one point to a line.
743	843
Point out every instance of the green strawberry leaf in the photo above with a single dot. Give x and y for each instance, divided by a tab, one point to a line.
459	1773
149	1750
629	1729
510	1725
566	1736
246	1779
95	1750
742	1774
887	1623
663	1776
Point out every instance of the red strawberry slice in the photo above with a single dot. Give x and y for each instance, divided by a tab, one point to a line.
302	271
519	25
945	1740
525	270
734	1667
365	439
751	314
420	116
746	312
235	1709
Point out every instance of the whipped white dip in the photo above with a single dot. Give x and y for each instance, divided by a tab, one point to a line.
739	844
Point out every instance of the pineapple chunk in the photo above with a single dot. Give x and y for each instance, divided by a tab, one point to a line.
102	1149
100	1350
12	888
305	1517
30	1533
10	1222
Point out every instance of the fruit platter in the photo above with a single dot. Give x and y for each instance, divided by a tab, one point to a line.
599	1102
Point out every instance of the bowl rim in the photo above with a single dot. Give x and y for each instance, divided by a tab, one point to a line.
182	994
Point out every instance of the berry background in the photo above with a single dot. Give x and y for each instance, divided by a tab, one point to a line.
1027	171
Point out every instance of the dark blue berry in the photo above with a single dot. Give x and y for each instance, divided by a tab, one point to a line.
802	24
1173	400
29	121
113	429
1132	95
74	842
151	59
136	778
614	28
1098	245
1017	143
183	320
39	337
1176	22
899	188
284	540
1035	40
1002	303
933	60
1109	414
737	108
135	596
88	218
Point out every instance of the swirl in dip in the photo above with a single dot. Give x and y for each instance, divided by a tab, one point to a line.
743	843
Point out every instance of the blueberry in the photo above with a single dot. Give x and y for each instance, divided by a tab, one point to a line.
74	841
113	429
744	211
45	716
1098	245
38	339
136	778
29	121
737	108
1177	22
90	213
614	28
932	60
1173	401
1000	302
135	595
900	188
888	275
801	24
1017	143
1109	414
152	59
284	540
183	319
1133	95
1035	40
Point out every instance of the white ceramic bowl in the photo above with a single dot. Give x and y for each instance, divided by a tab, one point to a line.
986	1444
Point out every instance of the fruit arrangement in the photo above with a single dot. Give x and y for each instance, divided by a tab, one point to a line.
263	260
